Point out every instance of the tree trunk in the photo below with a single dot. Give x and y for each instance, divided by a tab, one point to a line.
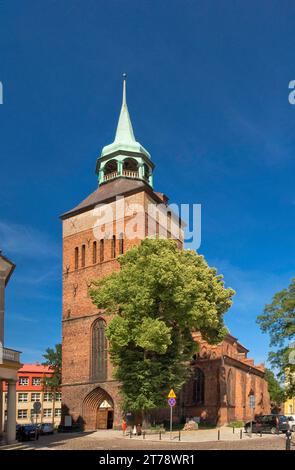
145	416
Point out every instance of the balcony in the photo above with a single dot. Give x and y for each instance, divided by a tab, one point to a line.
10	355
130	174
110	176
125	173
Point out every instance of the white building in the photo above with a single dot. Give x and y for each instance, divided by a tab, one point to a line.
9	361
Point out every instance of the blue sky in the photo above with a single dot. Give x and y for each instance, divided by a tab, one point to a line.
208	97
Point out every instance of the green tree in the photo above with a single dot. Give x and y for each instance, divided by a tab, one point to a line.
53	360
160	295
276	391
278	320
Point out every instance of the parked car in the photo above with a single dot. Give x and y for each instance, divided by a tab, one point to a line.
46	428
291	421
27	432
268	423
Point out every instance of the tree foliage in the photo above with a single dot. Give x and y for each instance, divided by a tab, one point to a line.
276	392
159	296
53	360
278	320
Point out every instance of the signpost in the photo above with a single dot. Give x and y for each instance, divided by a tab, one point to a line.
36	409
172	402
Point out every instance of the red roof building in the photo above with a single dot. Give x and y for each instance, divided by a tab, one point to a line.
31	388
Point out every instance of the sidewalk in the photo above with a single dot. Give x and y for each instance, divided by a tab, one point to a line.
202	435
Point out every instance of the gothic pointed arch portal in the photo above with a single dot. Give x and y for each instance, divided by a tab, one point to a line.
98	410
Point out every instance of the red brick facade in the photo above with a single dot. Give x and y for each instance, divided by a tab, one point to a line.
228	376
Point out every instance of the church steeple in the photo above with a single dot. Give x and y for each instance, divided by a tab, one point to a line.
125	157
124	131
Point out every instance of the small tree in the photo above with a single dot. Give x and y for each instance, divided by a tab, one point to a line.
278	320
160	295
276	391
53	360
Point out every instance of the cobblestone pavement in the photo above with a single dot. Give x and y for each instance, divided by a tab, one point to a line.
113	440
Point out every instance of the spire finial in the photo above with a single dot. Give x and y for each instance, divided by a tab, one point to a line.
124	88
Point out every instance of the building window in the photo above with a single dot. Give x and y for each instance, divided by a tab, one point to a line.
169	224
76	257
121	244
101	250
94	252
57	412
230	389
22	414
47	412
199	387
36	397
58	396
110	170
83	256
157	225
99	350
36	381
22	397
47	396
114	246
23	381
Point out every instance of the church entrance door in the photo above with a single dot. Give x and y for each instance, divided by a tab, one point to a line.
104	419
98	410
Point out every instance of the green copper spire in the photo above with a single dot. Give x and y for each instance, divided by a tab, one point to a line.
125	157
124	138
124	131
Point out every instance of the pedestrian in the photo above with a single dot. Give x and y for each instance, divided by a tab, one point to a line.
124	426
138	429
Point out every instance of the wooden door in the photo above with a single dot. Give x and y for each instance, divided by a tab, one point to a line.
102	419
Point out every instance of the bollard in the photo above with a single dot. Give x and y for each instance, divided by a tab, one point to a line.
241	434
218	436
130	434
288	440
233	430
143	435
160	436
179	436
260	433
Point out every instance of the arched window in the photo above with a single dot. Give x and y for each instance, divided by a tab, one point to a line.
99	350
94	254
169	215
199	387
114	246
230	388
130	168
121	244
83	256
101	250
76	257
157	225
110	170
146	171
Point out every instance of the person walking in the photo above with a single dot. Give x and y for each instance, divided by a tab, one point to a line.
124	426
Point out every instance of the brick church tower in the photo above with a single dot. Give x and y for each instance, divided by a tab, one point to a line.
90	247
118	215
